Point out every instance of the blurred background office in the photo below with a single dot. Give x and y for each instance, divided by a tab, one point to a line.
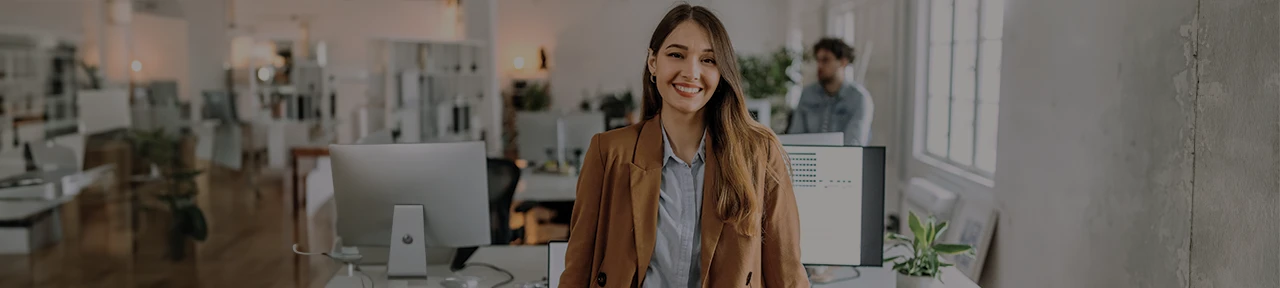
184	143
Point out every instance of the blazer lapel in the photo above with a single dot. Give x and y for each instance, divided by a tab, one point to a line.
712	225
646	180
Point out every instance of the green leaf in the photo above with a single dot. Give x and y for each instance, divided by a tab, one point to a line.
891	259
931	229
199	228
187	174
914	223
952	249
937	231
896	237
896	245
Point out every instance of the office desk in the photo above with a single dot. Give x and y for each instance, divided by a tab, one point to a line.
886	277
529	263
26	226
526	263
546	187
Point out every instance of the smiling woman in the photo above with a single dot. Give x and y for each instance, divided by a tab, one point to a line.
687	197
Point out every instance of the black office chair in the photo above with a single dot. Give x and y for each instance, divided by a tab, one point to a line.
503	176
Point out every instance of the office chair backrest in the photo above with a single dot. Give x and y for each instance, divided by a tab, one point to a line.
503	177
52	156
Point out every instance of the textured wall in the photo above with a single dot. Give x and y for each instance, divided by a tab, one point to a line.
1234	236
1139	145
1095	163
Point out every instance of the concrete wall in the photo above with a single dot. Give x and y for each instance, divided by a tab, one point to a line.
1138	145
1235	239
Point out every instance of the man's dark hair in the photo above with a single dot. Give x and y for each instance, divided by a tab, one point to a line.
836	47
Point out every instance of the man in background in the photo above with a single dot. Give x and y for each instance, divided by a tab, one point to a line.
833	104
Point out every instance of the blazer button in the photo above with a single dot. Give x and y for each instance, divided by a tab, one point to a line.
600	279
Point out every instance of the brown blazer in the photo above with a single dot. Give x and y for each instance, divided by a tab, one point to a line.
611	233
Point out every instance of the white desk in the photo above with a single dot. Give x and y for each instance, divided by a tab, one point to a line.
529	263
40	231
886	277
526	263
19	210
546	187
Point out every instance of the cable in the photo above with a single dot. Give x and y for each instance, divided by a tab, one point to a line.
371	283
856	275
510	277
295	251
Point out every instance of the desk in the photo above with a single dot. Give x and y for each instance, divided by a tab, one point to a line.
26	226
529	263
526	263
546	187
886	277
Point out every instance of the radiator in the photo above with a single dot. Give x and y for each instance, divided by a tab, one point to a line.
926	198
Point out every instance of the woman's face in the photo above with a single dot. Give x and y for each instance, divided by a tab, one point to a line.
685	67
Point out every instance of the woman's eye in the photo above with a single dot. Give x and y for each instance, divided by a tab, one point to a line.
709	61
675	55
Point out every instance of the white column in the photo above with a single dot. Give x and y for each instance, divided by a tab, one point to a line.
116	41
795	43
208	47
481	25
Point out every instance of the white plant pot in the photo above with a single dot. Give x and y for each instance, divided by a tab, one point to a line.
905	281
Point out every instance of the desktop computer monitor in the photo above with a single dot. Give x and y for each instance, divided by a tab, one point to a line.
823	139
447	179
579	127
538	132
829	183
555	261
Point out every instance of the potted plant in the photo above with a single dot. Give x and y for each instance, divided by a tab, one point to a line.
617	106
765	79
178	189
921	265
535	96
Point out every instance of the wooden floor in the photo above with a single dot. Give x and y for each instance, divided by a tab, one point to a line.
107	244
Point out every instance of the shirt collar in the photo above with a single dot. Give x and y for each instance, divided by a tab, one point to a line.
668	153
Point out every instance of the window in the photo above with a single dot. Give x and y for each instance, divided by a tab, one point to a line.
962	89
840	25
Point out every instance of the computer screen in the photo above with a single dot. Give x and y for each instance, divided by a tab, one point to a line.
555	262
821	139
840	196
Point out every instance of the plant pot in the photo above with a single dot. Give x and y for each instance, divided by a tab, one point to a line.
905	281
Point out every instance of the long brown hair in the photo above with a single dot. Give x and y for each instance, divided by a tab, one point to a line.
734	137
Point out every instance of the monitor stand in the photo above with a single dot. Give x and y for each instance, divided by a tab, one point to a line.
408	257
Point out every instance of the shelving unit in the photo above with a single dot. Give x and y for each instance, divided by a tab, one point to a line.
433	88
38	85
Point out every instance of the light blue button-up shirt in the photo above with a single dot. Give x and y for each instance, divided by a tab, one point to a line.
848	111
678	242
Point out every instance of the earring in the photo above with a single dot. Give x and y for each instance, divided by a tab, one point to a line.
653	78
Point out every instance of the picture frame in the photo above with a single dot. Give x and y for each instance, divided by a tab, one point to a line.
973	224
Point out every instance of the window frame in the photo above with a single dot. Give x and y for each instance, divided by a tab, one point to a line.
837	15
955	171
